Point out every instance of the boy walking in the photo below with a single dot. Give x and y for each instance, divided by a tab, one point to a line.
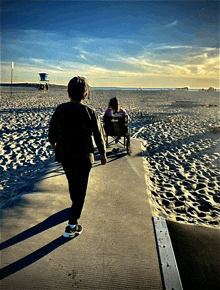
70	134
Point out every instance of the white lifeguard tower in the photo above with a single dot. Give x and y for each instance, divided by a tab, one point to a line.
44	81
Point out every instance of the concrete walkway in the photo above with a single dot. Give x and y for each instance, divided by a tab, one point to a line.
117	249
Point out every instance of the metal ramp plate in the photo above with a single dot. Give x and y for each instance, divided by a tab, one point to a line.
169	269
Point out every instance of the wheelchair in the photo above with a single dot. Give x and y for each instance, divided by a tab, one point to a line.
117	127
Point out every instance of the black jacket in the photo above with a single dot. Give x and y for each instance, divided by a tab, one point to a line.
71	128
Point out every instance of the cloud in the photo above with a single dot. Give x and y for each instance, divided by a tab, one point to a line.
35	60
81	50
139	62
174	23
173	47
177	61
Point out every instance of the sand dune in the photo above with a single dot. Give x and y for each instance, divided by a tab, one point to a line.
180	133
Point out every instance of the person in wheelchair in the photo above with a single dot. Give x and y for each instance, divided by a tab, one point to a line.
114	109
115	122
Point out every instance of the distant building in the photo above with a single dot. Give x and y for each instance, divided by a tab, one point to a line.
211	89
182	89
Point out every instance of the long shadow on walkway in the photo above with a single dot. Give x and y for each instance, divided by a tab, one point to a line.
50	222
32	258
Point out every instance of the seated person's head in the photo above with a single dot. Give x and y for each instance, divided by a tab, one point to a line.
78	88
114	104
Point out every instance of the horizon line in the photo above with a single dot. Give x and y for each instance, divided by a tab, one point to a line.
108	87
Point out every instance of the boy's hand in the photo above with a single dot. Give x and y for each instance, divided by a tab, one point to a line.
103	159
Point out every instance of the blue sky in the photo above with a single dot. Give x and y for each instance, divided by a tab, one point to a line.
115	43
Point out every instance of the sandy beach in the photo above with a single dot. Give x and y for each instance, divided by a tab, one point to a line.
180	141
180	133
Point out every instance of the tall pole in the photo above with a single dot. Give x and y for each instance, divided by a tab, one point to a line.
12	67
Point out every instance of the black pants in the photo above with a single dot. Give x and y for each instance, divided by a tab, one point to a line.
77	175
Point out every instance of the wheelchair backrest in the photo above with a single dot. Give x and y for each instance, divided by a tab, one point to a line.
120	124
